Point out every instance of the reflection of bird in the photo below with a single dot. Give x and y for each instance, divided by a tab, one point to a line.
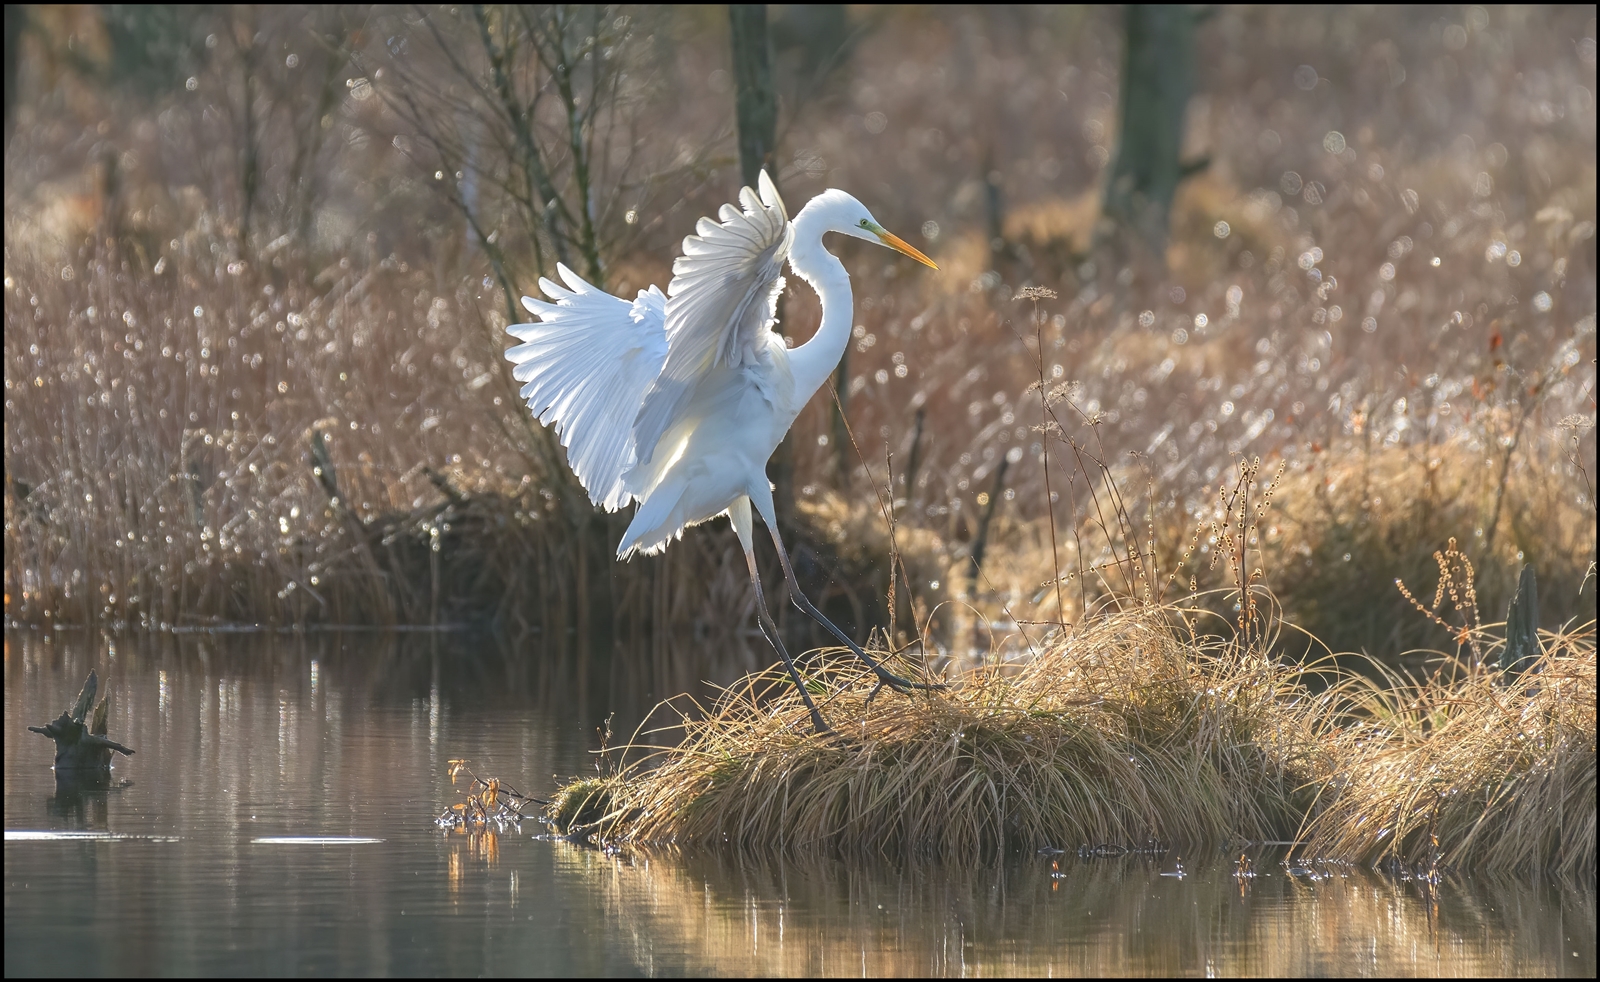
676	401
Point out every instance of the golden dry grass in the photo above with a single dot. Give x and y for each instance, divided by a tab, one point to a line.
1130	731
1348	519
1477	773
1126	731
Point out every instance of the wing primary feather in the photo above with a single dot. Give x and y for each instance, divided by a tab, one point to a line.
586	364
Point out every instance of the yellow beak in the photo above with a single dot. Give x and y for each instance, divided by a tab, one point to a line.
898	244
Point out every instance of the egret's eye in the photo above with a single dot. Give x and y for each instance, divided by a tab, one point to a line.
865	223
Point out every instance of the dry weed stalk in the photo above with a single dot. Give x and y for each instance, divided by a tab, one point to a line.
1458	580
498	804
1035	294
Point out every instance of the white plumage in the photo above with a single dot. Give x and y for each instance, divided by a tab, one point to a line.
678	401
587	363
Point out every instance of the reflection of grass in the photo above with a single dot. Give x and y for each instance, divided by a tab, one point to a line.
714	914
1126	731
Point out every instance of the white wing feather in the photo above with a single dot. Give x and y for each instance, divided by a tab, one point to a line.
722	298
587	362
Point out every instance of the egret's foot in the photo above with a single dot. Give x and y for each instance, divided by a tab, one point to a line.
885	677
896	682
798	596
820	725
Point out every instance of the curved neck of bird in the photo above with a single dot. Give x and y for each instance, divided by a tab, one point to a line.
813	362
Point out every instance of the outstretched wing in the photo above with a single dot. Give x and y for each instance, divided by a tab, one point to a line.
722	298
587	362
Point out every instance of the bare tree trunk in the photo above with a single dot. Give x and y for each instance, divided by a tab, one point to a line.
755	99
821	32
1157	79
250	157
16	22
756	109
303	181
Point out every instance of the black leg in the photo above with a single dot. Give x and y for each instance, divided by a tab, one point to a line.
770	629
885	677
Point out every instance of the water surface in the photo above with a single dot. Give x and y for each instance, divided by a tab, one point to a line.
277	819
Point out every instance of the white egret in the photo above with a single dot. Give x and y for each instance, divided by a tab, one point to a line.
677	400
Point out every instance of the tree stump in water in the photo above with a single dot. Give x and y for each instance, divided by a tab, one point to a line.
82	751
1522	649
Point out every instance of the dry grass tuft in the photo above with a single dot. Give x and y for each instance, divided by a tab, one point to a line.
1477	773
1125	731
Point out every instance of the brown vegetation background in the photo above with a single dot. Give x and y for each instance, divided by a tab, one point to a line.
257	262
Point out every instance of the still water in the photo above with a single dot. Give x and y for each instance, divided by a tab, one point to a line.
278	819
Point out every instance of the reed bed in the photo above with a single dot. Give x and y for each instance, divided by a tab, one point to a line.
211	439
1129	731
1349	281
1484	772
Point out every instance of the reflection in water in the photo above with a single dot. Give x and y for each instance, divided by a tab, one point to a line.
77	806
32	835
1103	917
279	818
314	840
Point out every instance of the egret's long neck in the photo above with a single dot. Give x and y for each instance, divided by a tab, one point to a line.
814	361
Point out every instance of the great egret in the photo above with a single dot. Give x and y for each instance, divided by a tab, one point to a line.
677	400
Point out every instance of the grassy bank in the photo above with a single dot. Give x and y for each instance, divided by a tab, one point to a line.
1127	732
1193	722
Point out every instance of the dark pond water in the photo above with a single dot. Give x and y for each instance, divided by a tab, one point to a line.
205	858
